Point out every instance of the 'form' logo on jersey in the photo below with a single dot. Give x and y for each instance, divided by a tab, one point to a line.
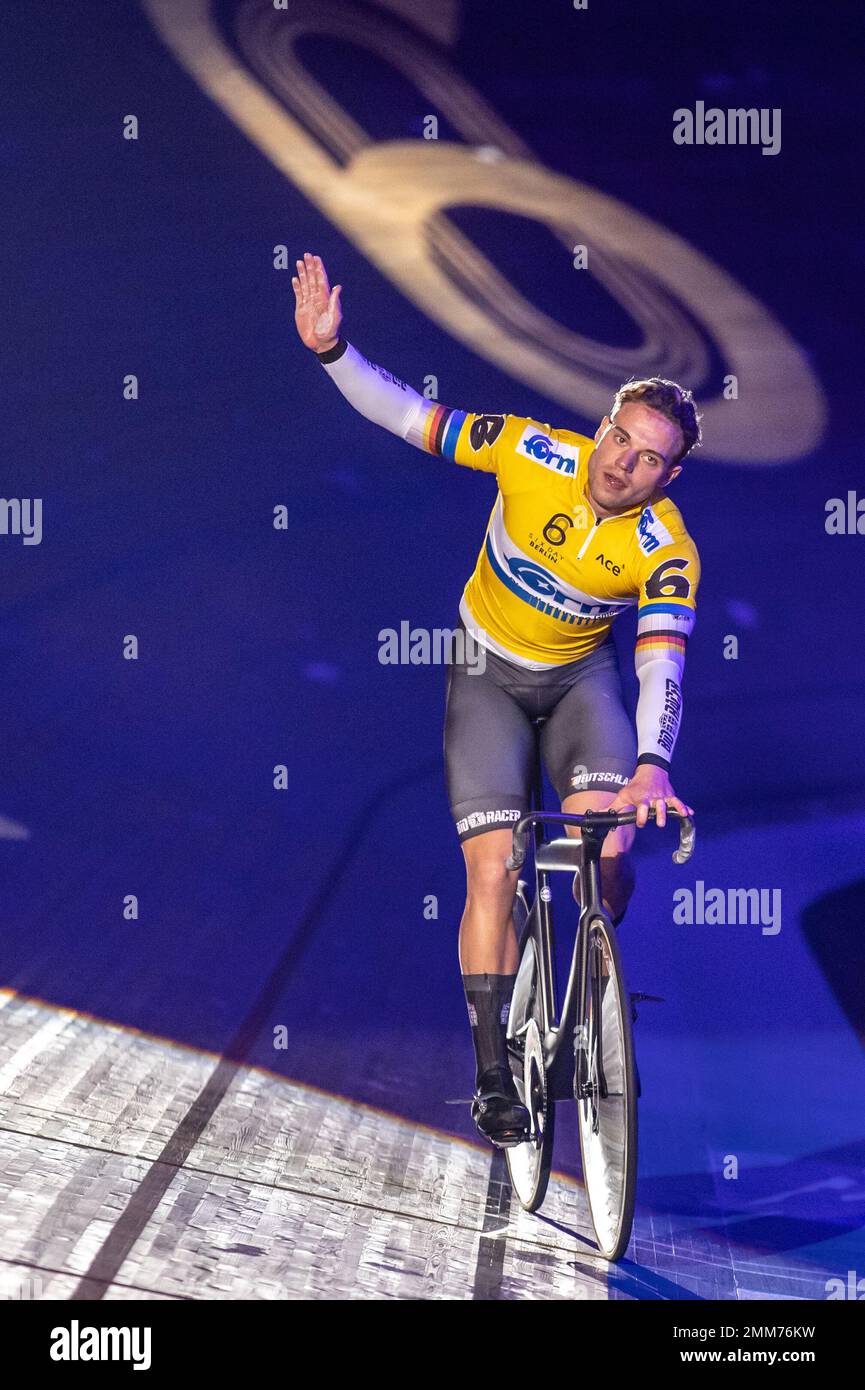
562	458
651	532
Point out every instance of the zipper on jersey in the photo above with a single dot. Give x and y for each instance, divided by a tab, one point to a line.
599	521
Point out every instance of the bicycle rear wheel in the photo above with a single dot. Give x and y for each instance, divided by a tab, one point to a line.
530	1163
605	1090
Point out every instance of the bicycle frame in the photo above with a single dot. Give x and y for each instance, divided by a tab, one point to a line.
567	856
552	856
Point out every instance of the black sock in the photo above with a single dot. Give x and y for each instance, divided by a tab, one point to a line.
488	998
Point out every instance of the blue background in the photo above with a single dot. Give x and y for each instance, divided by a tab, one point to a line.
259	647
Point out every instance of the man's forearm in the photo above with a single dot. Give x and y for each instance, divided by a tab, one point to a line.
374	392
659	711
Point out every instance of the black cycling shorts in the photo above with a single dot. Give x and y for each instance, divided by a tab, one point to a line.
587	744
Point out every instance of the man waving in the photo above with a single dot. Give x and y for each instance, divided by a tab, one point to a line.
580	530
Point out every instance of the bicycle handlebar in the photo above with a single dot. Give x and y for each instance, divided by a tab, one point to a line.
598	820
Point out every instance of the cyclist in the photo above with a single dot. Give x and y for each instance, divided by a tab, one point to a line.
581	529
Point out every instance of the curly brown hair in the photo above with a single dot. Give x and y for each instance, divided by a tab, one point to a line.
672	401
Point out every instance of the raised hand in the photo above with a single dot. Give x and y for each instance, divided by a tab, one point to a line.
317	311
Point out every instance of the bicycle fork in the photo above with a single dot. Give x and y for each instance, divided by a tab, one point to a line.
589	1078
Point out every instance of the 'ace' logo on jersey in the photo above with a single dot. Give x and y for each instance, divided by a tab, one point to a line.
608	564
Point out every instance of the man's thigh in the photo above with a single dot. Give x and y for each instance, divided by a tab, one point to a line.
489	755
589	743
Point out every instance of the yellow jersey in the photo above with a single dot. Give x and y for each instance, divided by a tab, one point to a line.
551	575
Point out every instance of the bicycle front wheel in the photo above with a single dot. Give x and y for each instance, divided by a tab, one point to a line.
605	1089
529	1163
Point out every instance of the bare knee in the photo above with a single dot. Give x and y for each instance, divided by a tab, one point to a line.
487	879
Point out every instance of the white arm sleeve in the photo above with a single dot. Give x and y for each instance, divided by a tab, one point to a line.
659	658
659	708
376	393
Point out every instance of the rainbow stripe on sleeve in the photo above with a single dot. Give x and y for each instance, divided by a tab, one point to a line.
661	641
656	633
442	429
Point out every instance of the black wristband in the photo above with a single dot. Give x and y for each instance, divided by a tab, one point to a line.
333	354
654	761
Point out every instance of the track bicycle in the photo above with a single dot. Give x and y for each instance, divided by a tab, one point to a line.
585	1051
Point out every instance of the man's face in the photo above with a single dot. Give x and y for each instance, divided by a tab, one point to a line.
632	457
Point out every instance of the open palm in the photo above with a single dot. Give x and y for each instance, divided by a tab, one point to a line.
317	311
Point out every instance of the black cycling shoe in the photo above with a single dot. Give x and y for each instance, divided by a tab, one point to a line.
498	1111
